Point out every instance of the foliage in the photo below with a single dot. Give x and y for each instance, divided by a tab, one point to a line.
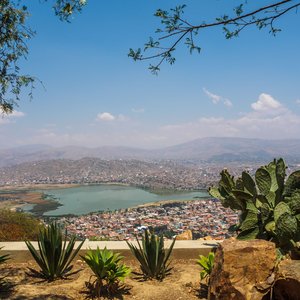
107	269
153	258
269	205
18	226
176	30
3	259
207	263
98	238
14	36
55	255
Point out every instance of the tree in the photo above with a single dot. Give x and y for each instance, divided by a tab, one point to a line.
14	33
176	30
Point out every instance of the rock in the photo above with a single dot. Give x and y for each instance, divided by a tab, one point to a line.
187	235
243	270
287	285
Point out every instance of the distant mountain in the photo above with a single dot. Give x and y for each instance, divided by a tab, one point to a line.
218	150
215	149
30	153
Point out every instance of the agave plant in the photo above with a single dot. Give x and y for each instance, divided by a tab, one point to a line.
3	258
269	204
207	263
107	269
153	258
55	253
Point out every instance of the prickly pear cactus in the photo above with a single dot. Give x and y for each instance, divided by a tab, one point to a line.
269	205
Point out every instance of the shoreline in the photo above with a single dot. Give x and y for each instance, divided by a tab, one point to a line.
34	186
161	202
14	197
49	186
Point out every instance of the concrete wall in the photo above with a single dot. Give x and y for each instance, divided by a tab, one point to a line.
182	249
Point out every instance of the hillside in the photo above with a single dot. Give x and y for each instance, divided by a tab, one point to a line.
214	150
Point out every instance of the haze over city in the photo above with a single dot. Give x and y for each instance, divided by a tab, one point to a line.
94	95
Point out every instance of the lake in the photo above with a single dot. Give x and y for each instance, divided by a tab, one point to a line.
90	198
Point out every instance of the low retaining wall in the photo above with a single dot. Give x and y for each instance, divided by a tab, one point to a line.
182	249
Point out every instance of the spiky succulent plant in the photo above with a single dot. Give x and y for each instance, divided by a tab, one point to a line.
152	256
269	204
55	253
107	268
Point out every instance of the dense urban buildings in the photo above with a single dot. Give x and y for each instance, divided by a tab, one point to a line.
167	174
202	217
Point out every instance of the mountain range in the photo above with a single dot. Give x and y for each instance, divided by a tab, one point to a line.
213	149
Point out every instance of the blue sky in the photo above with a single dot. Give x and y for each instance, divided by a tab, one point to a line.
95	95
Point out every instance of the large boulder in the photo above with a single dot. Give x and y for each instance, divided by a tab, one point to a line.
287	285
243	270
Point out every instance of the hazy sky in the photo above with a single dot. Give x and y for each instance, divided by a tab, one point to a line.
95	95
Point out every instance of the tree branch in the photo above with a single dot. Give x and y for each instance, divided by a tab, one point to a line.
175	29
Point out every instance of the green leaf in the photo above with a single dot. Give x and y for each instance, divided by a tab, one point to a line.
263	180
271	168
286	227
270	227
250	222
214	192
243	196
271	198
249	183
294	201
292	183
280	209
249	234
207	263
280	173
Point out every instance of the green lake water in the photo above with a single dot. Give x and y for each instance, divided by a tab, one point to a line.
91	198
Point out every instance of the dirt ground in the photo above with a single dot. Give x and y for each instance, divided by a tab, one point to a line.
183	283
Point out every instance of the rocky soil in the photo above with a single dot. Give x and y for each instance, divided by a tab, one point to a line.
182	284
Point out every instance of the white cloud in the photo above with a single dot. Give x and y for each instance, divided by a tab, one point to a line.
266	103
217	98
122	118
268	119
214	98
106	116
298	101
227	102
9	118
138	110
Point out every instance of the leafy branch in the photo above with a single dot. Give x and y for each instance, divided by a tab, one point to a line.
175	30
14	35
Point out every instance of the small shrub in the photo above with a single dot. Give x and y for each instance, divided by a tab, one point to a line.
107	269
207	263
55	255
153	258
18	226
